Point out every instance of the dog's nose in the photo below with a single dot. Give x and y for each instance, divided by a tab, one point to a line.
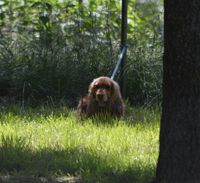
100	96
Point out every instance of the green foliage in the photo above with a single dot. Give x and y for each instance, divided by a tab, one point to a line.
51	50
50	141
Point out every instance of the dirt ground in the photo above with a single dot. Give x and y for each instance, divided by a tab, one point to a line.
33	179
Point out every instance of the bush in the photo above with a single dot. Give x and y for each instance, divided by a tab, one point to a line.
55	50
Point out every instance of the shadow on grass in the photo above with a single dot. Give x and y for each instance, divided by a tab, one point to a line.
16	156
132	115
40	113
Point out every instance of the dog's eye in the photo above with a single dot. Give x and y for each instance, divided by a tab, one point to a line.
98	87
107	87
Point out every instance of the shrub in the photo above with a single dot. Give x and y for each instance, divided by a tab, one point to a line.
52	51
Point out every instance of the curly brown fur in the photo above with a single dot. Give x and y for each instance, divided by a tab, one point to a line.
104	97
82	107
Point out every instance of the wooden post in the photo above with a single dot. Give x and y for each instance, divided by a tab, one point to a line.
123	43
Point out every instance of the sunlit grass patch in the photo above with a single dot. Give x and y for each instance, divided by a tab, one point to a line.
52	142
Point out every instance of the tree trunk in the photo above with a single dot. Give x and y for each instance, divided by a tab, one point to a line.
179	157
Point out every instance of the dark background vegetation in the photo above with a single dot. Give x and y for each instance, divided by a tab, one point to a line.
50	51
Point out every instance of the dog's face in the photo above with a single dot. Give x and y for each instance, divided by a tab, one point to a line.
102	89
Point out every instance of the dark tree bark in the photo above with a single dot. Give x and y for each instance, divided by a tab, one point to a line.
179	156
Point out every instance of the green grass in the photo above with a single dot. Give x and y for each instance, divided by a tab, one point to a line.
50	141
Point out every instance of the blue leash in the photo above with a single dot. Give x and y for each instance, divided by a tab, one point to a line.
119	61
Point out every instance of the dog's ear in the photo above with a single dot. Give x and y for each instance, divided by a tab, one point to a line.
91	90
117	104
115	90
112	88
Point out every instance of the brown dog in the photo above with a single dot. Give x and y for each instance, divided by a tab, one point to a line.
103	97
82	107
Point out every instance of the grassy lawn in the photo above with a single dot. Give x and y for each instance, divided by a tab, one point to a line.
46	142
